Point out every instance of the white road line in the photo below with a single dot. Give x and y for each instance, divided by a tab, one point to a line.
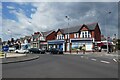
81	56
93	59
105	62
115	60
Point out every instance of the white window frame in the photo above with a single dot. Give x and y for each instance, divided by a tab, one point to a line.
75	35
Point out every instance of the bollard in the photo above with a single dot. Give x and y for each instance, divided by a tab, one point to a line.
5	54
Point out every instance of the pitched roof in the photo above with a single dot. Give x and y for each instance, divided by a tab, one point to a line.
91	26
46	33
71	29
77	28
35	36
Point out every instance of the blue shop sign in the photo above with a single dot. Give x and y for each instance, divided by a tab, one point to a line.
56	42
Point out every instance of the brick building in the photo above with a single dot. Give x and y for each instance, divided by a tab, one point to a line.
39	39
72	38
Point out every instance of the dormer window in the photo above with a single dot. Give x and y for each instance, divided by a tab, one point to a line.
85	34
60	36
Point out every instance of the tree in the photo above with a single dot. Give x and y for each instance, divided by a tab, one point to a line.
12	40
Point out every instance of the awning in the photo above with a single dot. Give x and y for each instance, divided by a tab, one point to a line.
102	44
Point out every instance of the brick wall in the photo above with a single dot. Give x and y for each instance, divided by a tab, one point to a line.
51	36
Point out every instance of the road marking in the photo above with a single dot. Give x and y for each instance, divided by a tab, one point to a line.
105	62
93	59
81	56
115	60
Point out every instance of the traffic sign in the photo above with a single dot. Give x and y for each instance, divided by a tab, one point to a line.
5	48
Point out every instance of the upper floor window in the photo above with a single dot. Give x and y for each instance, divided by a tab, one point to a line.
89	35
67	36
60	36
82	34
76	35
85	34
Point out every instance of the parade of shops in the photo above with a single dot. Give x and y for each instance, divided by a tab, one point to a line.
73	38
68	39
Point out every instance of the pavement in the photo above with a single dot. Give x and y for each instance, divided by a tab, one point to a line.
16	57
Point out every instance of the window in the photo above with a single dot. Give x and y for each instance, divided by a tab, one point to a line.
67	36
89	35
57	36
85	34
76	35
82	34
62	37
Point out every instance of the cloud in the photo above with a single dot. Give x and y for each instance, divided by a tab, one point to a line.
59	1
48	16
10	7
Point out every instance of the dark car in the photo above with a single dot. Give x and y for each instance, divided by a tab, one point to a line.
55	51
42	51
34	50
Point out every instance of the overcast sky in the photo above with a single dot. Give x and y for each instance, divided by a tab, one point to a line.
24	18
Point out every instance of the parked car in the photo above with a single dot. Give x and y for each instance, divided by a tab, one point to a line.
11	49
22	51
36	50
42	51
55	51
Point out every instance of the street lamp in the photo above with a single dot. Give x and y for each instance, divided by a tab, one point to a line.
68	18
107	34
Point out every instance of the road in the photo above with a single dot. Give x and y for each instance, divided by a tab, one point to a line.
62	66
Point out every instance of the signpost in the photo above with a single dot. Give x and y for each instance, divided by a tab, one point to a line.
5	49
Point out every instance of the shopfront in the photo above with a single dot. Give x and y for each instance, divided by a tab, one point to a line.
43	45
60	44
76	44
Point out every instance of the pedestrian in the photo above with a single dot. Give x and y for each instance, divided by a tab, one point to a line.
77	51
83	49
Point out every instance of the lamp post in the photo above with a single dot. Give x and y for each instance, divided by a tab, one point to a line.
68	40
107	34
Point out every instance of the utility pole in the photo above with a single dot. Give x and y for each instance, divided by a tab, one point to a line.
107	34
68	35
